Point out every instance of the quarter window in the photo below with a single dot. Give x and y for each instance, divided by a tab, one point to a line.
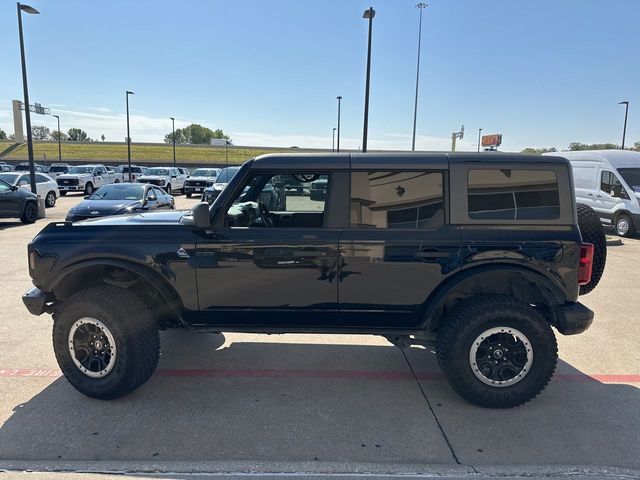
408	200
512	194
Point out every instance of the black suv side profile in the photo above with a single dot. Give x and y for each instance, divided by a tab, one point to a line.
478	256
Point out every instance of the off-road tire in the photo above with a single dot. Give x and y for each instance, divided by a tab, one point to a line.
50	199
30	213
88	188
631	229
477	315
592	232
134	330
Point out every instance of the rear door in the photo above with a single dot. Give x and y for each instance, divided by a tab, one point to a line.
399	246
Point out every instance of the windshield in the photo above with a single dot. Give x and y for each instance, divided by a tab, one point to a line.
204	172
76	170
58	169
227	174
10	178
118	192
158	171
632	177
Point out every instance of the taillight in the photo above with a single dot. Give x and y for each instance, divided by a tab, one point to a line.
586	263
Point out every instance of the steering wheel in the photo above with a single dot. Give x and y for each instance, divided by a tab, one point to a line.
305	177
267	221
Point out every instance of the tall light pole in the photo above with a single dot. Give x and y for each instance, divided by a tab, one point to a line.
420	7
626	112
368	14
173	130
27	115
339	98
479	133
333	140
59	135
128	136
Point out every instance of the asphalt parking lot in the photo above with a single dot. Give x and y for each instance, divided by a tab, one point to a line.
241	404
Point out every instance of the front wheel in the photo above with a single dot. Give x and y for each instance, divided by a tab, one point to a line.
187	194
88	188
496	351
106	341
168	189
30	213
624	226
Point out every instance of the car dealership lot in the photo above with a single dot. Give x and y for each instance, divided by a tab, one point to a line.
294	403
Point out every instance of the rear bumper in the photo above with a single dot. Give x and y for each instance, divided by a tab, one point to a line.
36	301
573	318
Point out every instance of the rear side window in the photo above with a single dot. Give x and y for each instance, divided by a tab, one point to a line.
408	200
511	194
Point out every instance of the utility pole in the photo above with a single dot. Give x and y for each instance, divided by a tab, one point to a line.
420	6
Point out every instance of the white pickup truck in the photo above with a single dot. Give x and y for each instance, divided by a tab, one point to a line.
86	178
169	178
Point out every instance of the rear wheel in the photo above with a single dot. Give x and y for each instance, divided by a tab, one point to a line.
592	232
624	225
30	213
106	341
496	351
50	199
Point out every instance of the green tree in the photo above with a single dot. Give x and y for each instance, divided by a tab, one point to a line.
40	132
77	135
3	134
63	136
576	146
195	134
538	151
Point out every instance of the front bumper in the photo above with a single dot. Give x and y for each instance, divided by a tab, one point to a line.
36	301
573	318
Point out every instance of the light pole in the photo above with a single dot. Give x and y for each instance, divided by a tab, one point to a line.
420	6
173	136
333	140
479	132
59	135
338	144
128	135
368	14
626	112
27	114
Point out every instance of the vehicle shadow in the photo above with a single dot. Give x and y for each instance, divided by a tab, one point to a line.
217	400
4	225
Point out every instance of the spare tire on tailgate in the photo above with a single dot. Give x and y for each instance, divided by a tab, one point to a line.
593	232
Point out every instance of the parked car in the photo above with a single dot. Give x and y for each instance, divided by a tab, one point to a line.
46	186
136	171
609	182
58	169
211	193
114	175
318	189
168	178
18	203
480	276
84	178
5	167
184	171
200	179
120	199
24	167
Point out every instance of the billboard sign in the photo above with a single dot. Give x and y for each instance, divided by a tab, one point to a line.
494	140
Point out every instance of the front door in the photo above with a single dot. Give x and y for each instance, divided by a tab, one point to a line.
269	267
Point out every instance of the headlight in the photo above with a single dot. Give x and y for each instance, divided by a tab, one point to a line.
218	186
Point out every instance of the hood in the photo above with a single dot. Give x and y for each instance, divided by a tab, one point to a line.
202	179
153	177
104	207
167	217
216	187
72	176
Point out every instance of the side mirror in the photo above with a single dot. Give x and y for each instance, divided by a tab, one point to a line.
201	217
174	176
13	188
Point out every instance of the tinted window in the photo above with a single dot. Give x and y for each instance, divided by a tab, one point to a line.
609	183
397	199
509	194
632	177
41	179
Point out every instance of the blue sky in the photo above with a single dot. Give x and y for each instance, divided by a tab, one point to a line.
542	73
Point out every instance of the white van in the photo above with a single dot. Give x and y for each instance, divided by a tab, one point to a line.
609	182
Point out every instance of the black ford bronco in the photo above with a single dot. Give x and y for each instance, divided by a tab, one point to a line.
476	255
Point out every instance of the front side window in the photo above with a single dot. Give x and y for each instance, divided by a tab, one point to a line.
275	200
512	194
409	200
610	184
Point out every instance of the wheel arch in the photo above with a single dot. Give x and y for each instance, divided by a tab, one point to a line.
521	282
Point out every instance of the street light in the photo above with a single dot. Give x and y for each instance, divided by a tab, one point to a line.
626	112
27	114
338	145
479	132
333	140
420	6
173	128
368	14
59	135
128	135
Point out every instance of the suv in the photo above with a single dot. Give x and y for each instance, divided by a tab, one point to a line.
169	178
478	258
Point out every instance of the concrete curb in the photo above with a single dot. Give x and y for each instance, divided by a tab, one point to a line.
614	241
